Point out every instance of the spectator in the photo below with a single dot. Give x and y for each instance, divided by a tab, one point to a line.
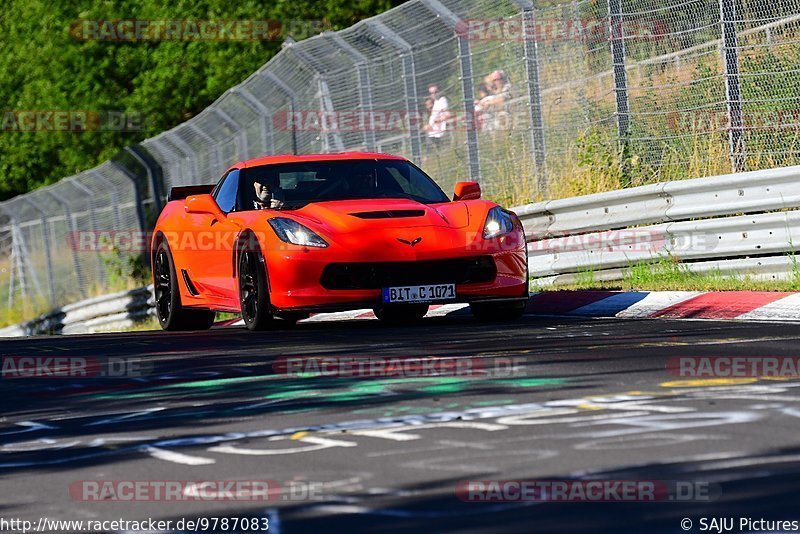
499	89
481	115
494	103
439	116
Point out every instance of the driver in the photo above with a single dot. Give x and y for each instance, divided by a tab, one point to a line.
268	194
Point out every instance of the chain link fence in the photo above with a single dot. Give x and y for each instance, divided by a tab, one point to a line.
552	99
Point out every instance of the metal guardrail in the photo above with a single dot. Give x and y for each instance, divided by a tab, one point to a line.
737	224
743	224
99	314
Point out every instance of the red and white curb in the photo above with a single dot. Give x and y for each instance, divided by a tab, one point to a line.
736	305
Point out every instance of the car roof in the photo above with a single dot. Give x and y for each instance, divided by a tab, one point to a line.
291	158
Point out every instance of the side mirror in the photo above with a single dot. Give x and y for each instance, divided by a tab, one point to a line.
203	204
467	191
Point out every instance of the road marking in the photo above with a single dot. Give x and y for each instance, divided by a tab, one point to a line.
176	457
317	444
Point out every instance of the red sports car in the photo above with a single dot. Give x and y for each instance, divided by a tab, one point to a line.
286	236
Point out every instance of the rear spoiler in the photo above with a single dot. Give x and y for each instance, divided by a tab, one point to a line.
179	193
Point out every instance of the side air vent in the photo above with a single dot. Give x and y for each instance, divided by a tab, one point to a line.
189	285
389	214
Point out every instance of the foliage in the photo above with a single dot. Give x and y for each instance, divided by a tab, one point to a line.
46	68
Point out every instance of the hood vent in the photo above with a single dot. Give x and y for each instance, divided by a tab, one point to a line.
389	214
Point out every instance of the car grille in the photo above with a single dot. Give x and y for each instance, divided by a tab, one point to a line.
375	275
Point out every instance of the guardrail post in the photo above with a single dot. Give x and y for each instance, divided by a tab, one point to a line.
409	85
51	283
617	37
465	57
531	45
267	133
733	91
153	173
71	225
364	85
101	273
291	95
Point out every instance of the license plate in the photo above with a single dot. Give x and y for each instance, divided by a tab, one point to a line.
426	293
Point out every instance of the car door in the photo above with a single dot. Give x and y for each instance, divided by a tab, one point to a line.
215	237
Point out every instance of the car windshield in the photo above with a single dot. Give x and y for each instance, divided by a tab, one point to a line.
300	183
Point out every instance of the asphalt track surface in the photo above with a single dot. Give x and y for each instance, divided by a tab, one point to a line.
589	399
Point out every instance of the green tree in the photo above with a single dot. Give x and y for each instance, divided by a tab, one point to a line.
44	67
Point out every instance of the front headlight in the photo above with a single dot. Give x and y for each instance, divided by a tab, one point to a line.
498	223
293	232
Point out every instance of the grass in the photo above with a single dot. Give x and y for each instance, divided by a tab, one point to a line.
667	274
145	325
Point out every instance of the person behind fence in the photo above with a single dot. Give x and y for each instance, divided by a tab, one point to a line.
268	193
481	115
499	94
439	116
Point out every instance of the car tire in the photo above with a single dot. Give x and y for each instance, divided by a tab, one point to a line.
170	312
253	289
492	311
401	314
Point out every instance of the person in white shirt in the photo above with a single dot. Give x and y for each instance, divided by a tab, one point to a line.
440	115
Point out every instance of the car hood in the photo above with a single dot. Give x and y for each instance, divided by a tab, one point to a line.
345	216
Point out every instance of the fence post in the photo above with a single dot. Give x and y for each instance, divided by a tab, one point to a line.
241	135
17	268
733	91
531	46
267	134
455	23
291	95
410	83
617	36
188	152
152	176
172	169
117	215
101	273
214	148
137	195
71	225
364	85
51	283
329	139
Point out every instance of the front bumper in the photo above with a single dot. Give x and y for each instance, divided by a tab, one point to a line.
295	282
